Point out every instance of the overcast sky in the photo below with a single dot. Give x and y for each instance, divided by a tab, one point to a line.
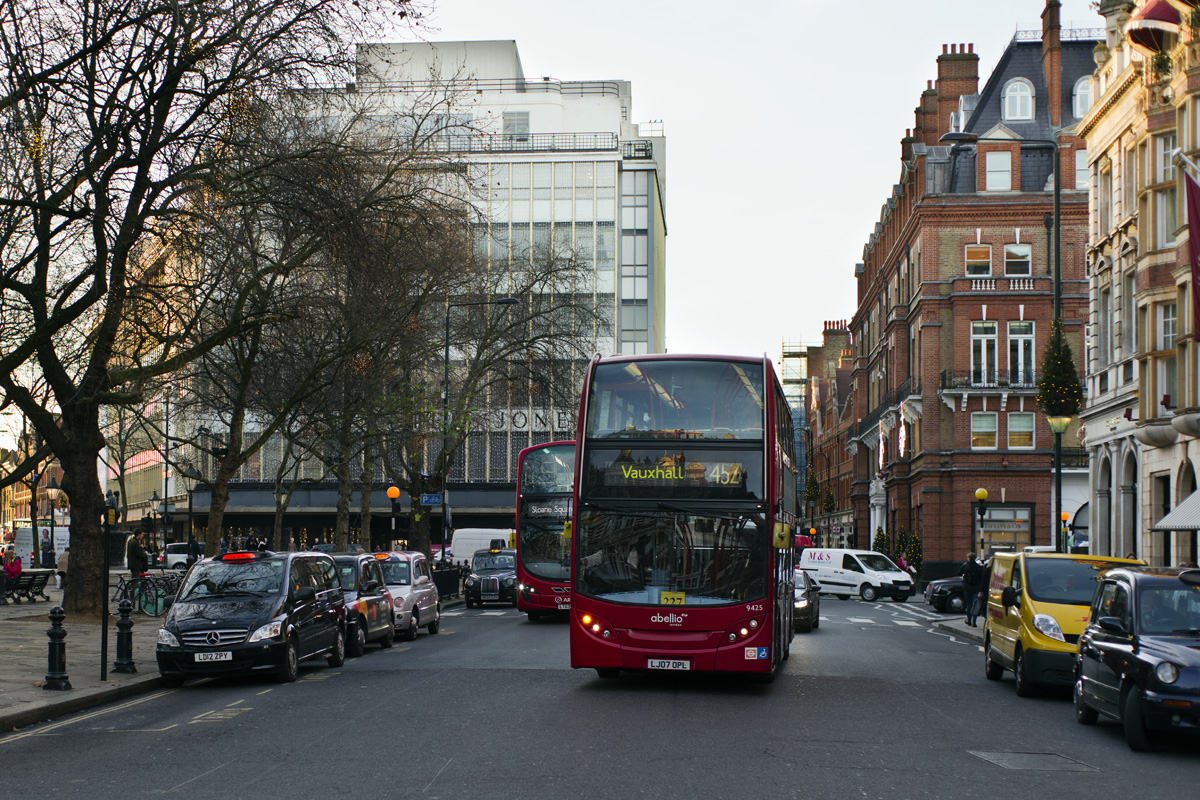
783	121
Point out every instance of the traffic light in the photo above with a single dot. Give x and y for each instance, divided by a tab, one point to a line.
146	526
168	519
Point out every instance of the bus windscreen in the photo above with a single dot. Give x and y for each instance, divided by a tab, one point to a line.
686	399
671	557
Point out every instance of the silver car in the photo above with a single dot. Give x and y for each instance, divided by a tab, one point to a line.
413	594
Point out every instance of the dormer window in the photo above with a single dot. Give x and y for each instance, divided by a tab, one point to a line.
1082	97
1017	100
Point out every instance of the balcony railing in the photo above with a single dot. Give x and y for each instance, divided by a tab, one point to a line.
1074	458
637	149
527	142
989	379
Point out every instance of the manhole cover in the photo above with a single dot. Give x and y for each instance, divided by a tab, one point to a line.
1048	762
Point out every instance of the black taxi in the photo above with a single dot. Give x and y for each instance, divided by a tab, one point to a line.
370	616
257	612
1139	657
493	576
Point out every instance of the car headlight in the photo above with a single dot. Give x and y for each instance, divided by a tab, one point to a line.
508	582
801	601
269	631
166	638
470	580
1048	626
1166	672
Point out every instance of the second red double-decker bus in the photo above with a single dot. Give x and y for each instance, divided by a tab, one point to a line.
544	477
685	498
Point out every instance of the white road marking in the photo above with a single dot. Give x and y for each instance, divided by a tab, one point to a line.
908	622
452	613
493	613
861	620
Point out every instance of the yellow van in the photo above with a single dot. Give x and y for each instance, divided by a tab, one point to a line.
1037	607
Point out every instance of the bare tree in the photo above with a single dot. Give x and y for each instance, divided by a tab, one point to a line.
116	113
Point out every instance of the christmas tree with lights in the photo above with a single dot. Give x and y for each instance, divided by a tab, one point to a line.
1059	393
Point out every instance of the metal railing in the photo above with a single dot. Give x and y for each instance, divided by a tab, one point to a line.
526	142
989	379
637	149
1074	458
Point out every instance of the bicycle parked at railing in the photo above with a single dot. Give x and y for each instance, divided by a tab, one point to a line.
150	594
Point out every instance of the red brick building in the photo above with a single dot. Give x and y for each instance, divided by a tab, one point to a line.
829	404
955	297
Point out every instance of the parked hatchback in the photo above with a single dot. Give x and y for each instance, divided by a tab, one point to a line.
415	597
369	614
1138	661
253	613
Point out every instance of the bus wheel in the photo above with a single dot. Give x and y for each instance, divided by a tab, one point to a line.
608	672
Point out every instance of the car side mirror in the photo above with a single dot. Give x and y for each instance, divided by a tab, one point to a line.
305	594
421	581
1112	625
370	587
1009	597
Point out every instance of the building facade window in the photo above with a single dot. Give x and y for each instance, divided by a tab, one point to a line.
983	430
1020	353
979	260
1129	315
1165	394
635	263
1083	175
983	353
1081	100
1165	195
516	125
1016	259
1104	328
1020	430
1104	204
998	177
1017	100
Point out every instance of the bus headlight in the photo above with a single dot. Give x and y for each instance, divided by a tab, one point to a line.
596	626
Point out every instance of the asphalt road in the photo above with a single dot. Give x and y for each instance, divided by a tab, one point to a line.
874	704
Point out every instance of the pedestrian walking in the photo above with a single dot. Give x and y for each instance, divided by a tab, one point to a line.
900	562
972	575
193	551
47	555
60	577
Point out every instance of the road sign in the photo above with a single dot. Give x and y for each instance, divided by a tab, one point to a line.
431	499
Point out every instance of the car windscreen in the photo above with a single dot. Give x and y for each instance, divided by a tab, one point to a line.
1061	580
483	561
213	579
1169	610
396	573
878	562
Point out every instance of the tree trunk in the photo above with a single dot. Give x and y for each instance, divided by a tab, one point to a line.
341	530
88	581
418	528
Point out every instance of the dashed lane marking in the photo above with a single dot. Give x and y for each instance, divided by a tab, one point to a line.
910	623
493	613
44	729
861	620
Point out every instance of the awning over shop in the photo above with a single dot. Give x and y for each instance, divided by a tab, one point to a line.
1183	517
1150	25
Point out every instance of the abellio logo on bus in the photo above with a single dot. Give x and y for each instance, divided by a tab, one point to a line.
670	619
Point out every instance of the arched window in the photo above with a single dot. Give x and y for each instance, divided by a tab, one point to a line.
1017	103
1082	97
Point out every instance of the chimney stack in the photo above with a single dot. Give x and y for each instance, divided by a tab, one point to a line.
1052	59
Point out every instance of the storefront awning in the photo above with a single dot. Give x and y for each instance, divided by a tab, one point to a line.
1183	517
1151	24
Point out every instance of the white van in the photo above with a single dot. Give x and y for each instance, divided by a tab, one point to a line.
467	540
862	572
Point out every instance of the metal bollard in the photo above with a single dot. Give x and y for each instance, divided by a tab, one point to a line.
124	663
56	662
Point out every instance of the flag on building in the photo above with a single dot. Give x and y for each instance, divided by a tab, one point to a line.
1192	193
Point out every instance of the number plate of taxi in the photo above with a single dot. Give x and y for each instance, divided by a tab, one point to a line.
668	663
222	656
489	596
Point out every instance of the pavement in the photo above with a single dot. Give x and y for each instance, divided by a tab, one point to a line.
24	651
959	627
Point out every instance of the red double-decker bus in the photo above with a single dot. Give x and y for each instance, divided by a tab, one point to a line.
545	473
685	500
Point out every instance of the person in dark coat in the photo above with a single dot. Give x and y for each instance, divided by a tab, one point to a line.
972	575
136	558
193	550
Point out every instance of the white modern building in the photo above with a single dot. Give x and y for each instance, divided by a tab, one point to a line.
559	164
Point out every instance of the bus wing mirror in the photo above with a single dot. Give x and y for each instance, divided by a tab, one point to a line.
781	536
566	531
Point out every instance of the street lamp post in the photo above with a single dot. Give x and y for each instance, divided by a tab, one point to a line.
501	301
393	493
193	475
981	495
1058	425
